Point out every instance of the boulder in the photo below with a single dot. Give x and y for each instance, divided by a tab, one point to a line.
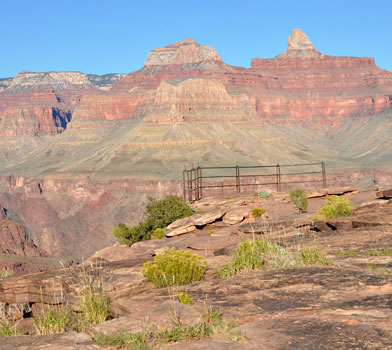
236	216
180	230
180	222
384	194
208	217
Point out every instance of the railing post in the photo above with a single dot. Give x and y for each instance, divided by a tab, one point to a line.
324	176
183	183
201	183
278	188
196	184
188	185
237	179
191	185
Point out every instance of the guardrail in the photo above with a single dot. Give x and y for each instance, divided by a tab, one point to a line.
197	180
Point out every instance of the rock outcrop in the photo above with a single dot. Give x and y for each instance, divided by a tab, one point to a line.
345	301
300	46
187	51
39	104
15	240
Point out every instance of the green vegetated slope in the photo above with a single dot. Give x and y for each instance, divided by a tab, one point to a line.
134	148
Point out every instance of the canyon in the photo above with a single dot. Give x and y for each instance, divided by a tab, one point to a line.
80	153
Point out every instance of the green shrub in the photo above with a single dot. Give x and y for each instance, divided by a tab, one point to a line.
298	197
256	254
335	206
263	194
129	235
157	234
184	298
174	267
6	273
159	214
257	212
313	256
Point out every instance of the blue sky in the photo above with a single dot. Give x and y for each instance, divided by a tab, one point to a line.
96	36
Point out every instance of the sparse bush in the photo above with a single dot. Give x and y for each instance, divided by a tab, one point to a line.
155	337
258	212
54	320
184	298
313	256
256	254
343	252
94	306
384	252
335	206
157	234
263	194
6	273
174	267
159	214
210	232
298	197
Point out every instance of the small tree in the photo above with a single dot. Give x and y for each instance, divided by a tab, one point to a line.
298	197
159	214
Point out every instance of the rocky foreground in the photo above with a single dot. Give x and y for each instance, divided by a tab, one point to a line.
344	305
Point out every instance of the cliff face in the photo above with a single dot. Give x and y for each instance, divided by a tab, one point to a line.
39	104
298	84
14	238
306	84
71	217
186	80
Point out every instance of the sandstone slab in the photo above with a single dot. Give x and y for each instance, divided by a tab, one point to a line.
208	217
384	194
157	312
214	344
236	216
65	341
180	230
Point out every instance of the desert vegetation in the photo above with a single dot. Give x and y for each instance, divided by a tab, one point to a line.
257	212
174	267
158	215
94	306
211	323
335	206
298	197
264	254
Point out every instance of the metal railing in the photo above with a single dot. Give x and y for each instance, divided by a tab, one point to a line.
197	180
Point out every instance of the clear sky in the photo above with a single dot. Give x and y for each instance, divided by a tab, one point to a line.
107	36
